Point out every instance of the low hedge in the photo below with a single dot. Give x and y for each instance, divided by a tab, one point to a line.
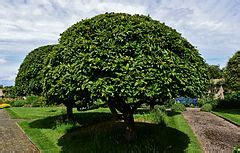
231	100
178	107
30	101
19	103
207	108
207	100
7	100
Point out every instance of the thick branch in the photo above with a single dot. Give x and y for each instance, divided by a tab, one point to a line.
135	106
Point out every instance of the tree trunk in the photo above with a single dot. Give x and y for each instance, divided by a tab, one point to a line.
113	110
151	106
70	113
129	120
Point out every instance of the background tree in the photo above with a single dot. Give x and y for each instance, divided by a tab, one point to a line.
216	79
123	60
29	77
232	72
9	91
215	72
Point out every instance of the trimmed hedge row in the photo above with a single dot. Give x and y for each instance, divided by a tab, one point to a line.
230	101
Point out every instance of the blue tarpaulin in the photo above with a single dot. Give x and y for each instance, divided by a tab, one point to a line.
187	101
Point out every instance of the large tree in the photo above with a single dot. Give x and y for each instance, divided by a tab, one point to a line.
29	77
232	72
123	60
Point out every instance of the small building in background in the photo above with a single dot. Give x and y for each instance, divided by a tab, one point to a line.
217	90
1	94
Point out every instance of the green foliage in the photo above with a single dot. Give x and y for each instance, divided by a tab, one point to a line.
19	103
207	100
236	149
231	100
7	100
178	107
36	101
122	59
31	101
29	77
215	72
169	103
10	92
159	114
206	108
232	75
161	108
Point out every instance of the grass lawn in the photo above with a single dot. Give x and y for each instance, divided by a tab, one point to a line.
232	115
96	132
42	112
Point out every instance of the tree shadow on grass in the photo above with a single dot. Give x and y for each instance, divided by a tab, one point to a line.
96	132
83	118
110	137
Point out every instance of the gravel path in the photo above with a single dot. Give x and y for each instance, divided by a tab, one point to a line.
215	134
12	138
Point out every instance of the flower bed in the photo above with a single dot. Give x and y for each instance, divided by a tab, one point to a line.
4	106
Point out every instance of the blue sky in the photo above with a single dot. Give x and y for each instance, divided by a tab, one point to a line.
210	25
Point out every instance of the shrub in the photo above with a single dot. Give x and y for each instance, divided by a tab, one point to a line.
236	149
19	103
169	103
4	106
7	100
178	107
158	114
207	100
31	101
160	108
231	100
206	108
36	101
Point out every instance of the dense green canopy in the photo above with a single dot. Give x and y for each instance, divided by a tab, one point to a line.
215	72
233	72
29	77
124	60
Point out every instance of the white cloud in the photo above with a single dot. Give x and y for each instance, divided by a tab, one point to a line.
8	77
212	26
45	20
3	61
